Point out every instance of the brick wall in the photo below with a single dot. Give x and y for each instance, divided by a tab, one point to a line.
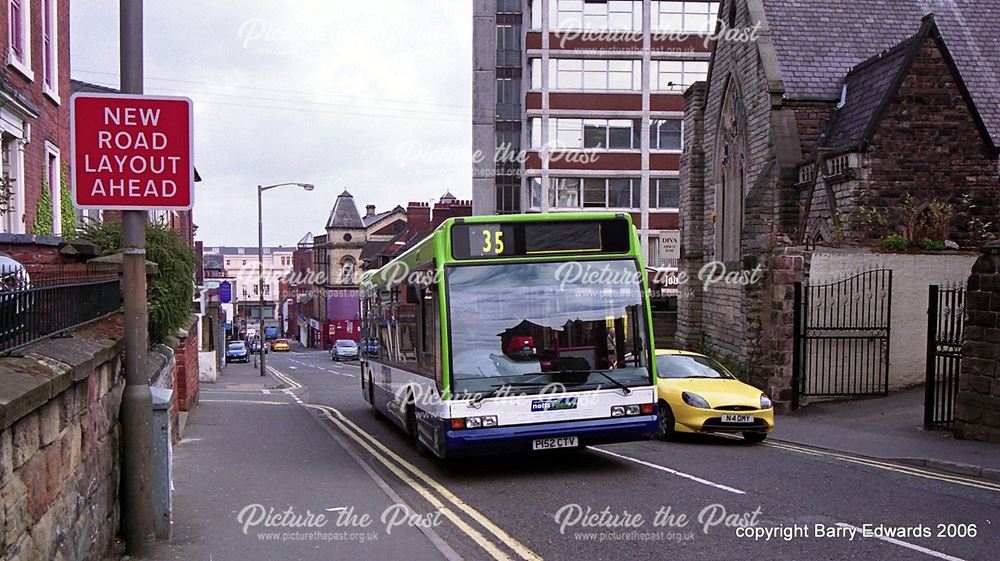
977	408
59	441
928	145
186	381
42	253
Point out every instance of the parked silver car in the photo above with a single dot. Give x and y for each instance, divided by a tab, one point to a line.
344	349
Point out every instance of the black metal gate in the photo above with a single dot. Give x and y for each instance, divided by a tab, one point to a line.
841	346
945	318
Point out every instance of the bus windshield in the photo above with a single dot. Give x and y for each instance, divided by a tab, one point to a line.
534	324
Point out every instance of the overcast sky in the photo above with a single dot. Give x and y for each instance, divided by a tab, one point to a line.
333	92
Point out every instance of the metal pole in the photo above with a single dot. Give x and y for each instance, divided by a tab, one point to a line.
137	403
260	275
931	357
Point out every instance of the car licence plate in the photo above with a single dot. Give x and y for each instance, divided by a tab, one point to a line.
737	418
552	443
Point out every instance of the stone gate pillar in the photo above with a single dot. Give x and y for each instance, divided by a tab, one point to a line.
977	407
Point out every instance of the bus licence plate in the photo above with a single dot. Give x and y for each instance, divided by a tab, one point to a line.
737	418
552	443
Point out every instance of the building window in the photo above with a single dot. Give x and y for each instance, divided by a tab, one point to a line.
50	49
19	36
589	192
666	134
597	15
664	193
589	74
508	98
508	45
605	134
676	75
347	270
53	181
688	17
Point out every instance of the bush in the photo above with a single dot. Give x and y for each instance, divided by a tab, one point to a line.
170	291
928	244
896	242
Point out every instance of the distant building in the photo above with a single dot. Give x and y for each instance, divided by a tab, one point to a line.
591	93
352	244
240	268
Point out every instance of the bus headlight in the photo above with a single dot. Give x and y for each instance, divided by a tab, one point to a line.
618	411
477	422
631	409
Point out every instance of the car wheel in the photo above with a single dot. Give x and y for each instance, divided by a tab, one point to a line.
754	437
666	431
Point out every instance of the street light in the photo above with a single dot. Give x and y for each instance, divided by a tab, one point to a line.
260	261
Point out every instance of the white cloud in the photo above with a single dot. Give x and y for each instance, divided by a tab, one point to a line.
317	91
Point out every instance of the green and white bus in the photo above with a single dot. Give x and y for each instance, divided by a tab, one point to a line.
513	333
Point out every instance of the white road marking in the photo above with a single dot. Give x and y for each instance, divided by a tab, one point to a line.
669	470
254	401
907	545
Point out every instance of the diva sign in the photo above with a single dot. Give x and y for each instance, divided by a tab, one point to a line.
131	152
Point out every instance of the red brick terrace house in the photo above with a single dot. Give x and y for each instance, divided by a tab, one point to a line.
819	133
34	129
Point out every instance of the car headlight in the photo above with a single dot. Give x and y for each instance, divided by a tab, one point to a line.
695	400
765	402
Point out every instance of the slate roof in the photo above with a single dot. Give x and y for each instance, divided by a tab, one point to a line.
369	220
212	261
345	213
870	85
818	42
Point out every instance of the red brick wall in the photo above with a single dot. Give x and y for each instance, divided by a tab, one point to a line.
53	122
928	146
36	257
186	382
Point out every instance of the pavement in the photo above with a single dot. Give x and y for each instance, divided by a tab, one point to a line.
304	438
254	473
889	428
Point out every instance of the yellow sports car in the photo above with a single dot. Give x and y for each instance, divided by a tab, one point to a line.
280	345
697	394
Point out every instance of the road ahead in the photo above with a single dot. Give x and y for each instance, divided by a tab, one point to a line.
690	499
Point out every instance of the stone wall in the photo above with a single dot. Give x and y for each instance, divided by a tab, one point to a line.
59	441
977	409
928	146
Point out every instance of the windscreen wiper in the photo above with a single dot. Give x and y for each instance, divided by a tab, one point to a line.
625	389
495	389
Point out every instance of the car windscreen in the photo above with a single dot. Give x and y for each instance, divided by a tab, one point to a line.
346	344
236	346
690	366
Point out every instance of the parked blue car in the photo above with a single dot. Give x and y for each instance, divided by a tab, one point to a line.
237	352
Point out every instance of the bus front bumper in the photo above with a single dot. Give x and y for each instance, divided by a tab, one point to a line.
520	438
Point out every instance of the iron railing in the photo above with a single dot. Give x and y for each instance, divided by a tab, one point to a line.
842	329
945	319
34	306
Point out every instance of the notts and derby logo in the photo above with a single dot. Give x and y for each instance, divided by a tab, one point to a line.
553	404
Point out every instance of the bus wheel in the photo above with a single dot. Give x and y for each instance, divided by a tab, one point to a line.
666	431
411	427
371	400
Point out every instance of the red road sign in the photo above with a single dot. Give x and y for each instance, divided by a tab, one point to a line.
131	152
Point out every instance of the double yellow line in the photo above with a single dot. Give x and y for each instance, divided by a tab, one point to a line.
423	484
898	468
448	504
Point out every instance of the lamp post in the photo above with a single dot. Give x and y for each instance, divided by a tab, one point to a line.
260	261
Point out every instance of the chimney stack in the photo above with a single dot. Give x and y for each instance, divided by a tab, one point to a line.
370	210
